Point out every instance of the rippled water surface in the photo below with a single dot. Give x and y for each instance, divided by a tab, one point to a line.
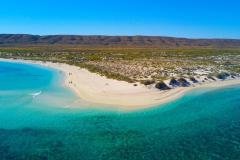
36	123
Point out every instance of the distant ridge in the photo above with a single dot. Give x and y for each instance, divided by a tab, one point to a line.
98	40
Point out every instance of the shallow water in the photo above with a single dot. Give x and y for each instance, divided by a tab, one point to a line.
201	125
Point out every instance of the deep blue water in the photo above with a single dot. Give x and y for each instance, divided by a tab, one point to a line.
204	124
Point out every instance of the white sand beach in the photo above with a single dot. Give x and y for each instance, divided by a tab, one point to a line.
97	89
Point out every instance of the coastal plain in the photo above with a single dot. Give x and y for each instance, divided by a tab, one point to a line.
130	72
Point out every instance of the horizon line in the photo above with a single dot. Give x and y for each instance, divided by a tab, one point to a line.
124	35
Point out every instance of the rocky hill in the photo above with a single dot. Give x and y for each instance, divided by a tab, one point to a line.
144	41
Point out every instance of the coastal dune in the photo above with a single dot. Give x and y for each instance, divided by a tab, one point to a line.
100	90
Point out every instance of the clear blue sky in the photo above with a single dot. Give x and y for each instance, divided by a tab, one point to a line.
181	18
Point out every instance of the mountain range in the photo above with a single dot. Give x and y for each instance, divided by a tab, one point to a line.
99	40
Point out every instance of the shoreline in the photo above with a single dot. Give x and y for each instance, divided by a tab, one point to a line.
97	89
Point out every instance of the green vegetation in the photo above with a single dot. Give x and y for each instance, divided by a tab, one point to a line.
134	64
147	82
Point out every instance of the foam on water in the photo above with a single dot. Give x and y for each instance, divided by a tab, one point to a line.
201	125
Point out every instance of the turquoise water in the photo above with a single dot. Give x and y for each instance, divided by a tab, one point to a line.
36	123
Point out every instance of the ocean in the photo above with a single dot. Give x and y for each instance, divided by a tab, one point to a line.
40	119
